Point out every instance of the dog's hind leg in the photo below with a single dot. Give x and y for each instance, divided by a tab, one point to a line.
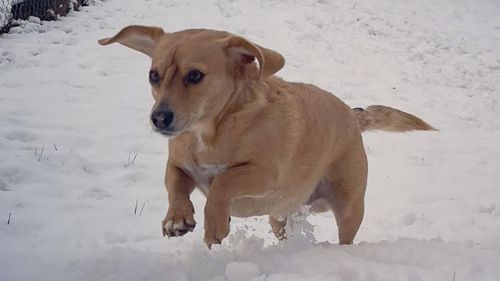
278	227
347	185
349	214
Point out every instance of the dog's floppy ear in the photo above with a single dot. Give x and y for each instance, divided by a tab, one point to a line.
137	37
269	61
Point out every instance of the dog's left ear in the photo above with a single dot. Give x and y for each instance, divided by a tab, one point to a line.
269	61
137	37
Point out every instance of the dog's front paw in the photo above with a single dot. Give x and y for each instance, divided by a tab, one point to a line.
216	223
179	220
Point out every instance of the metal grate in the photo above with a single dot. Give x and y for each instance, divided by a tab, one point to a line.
11	10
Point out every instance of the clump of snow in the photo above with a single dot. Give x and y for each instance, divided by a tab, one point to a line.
74	115
242	271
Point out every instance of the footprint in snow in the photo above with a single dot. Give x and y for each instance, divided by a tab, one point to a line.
10	176
21	136
4	186
409	219
112	238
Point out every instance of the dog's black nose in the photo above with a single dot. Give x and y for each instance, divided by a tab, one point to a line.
162	117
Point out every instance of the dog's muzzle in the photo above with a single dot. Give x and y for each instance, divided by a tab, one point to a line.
162	119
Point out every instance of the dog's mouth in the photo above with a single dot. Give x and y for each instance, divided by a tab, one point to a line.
172	131
168	133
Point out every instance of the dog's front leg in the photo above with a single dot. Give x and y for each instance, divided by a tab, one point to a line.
239	181
179	219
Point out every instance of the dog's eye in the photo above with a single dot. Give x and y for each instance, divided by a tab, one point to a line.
193	77
154	77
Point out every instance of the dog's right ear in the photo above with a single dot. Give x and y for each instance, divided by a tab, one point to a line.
269	61
137	37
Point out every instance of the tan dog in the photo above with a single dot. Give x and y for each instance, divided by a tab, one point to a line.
253	143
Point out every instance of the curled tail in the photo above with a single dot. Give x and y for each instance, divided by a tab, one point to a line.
379	117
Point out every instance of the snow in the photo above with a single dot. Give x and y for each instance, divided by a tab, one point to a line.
240	271
83	209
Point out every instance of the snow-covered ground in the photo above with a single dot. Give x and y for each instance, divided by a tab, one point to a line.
74	116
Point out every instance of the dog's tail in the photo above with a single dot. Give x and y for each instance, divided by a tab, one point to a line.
379	117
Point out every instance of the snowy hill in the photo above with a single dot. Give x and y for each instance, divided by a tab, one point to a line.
81	172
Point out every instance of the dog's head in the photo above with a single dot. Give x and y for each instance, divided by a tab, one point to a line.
194	72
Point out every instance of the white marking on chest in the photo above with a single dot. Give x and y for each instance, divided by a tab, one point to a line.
200	145
204	173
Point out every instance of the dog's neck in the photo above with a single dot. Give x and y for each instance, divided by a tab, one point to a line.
246	91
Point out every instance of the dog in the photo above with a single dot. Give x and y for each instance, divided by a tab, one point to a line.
253	143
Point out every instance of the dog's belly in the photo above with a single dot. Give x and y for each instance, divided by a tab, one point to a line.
271	203
247	206
277	205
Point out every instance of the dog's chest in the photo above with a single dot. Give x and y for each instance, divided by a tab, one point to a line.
203	174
